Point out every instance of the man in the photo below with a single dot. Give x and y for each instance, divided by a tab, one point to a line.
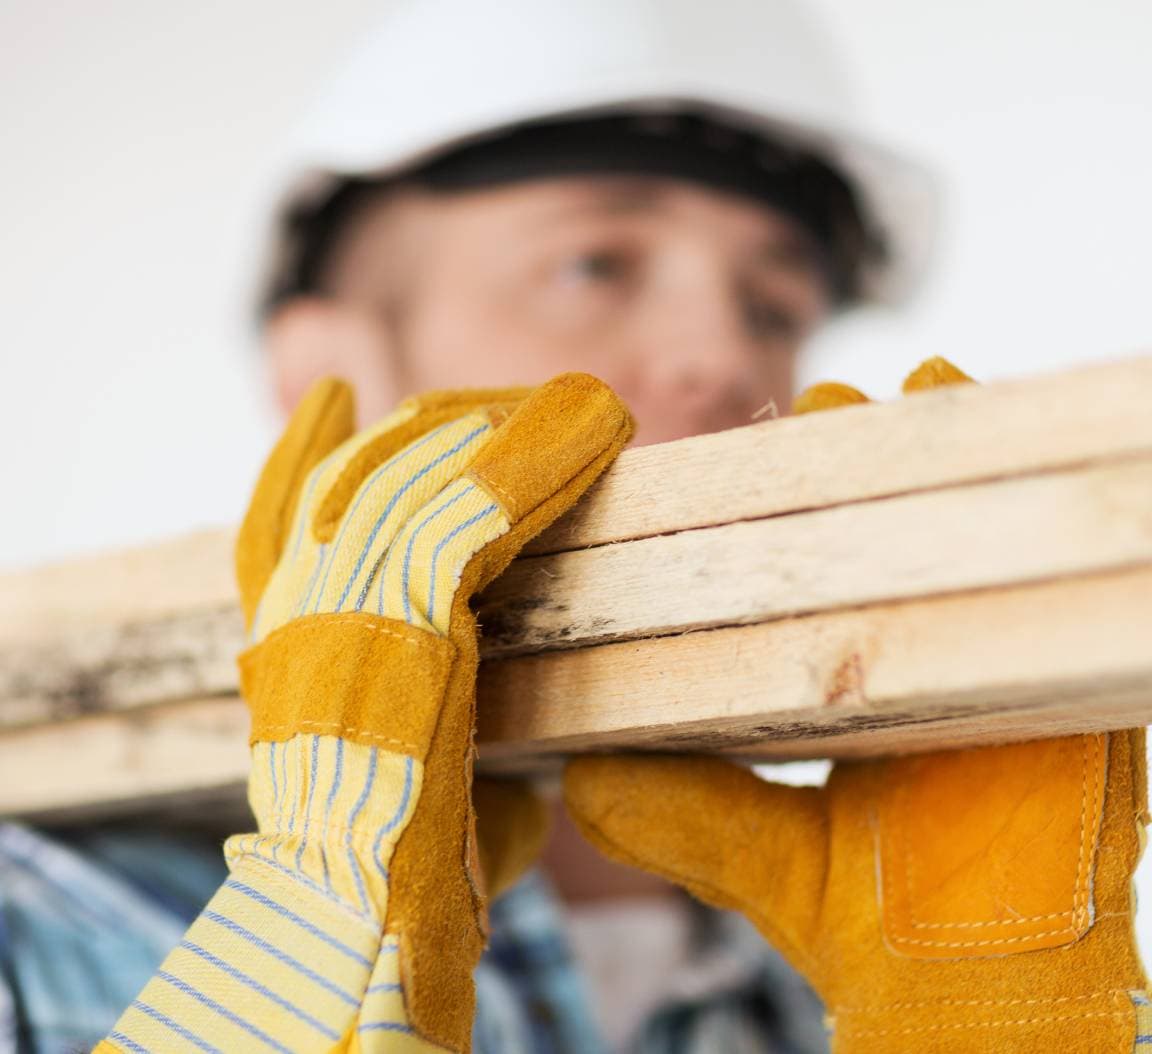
669	197
677	224
669	243
690	297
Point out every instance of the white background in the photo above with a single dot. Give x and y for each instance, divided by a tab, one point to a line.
139	138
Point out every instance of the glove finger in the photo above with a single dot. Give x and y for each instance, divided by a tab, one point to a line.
545	456
420	573
715	828
562	427
934	373
413	419
512	823
565	426
321	422
827	395
387	500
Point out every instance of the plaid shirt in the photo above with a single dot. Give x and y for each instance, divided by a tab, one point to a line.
87	917
84	922
751	1003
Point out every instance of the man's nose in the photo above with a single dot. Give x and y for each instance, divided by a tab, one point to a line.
697	349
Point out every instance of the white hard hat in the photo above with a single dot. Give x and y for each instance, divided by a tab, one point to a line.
439	73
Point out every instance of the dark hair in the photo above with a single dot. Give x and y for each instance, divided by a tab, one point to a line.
684	144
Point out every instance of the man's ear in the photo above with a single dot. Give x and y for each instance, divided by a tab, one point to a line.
311	337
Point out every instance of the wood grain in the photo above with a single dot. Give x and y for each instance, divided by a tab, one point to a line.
972	536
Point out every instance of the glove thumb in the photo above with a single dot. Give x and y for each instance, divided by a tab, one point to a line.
512	823
715	828
321	422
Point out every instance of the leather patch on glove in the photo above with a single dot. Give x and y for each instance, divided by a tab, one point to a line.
991	851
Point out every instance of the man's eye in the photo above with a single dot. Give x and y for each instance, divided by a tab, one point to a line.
597	266
769	321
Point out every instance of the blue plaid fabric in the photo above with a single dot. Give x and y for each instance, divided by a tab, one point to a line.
87	917
756	1003
531	998
84	923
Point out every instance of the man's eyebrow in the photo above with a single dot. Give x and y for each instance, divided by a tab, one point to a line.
632	195
788	247
613	196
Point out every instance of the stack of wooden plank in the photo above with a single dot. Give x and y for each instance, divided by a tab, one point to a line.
968	564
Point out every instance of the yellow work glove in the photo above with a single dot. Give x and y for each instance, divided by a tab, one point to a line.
353	919
971	900
511	820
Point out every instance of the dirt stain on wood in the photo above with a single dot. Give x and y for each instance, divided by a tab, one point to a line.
847	683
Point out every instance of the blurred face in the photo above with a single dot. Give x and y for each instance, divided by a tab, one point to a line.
691	303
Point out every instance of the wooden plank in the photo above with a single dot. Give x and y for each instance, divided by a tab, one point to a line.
974	536
934	438
1039	659
192	572
1046	658
132	762
80	667
932	542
